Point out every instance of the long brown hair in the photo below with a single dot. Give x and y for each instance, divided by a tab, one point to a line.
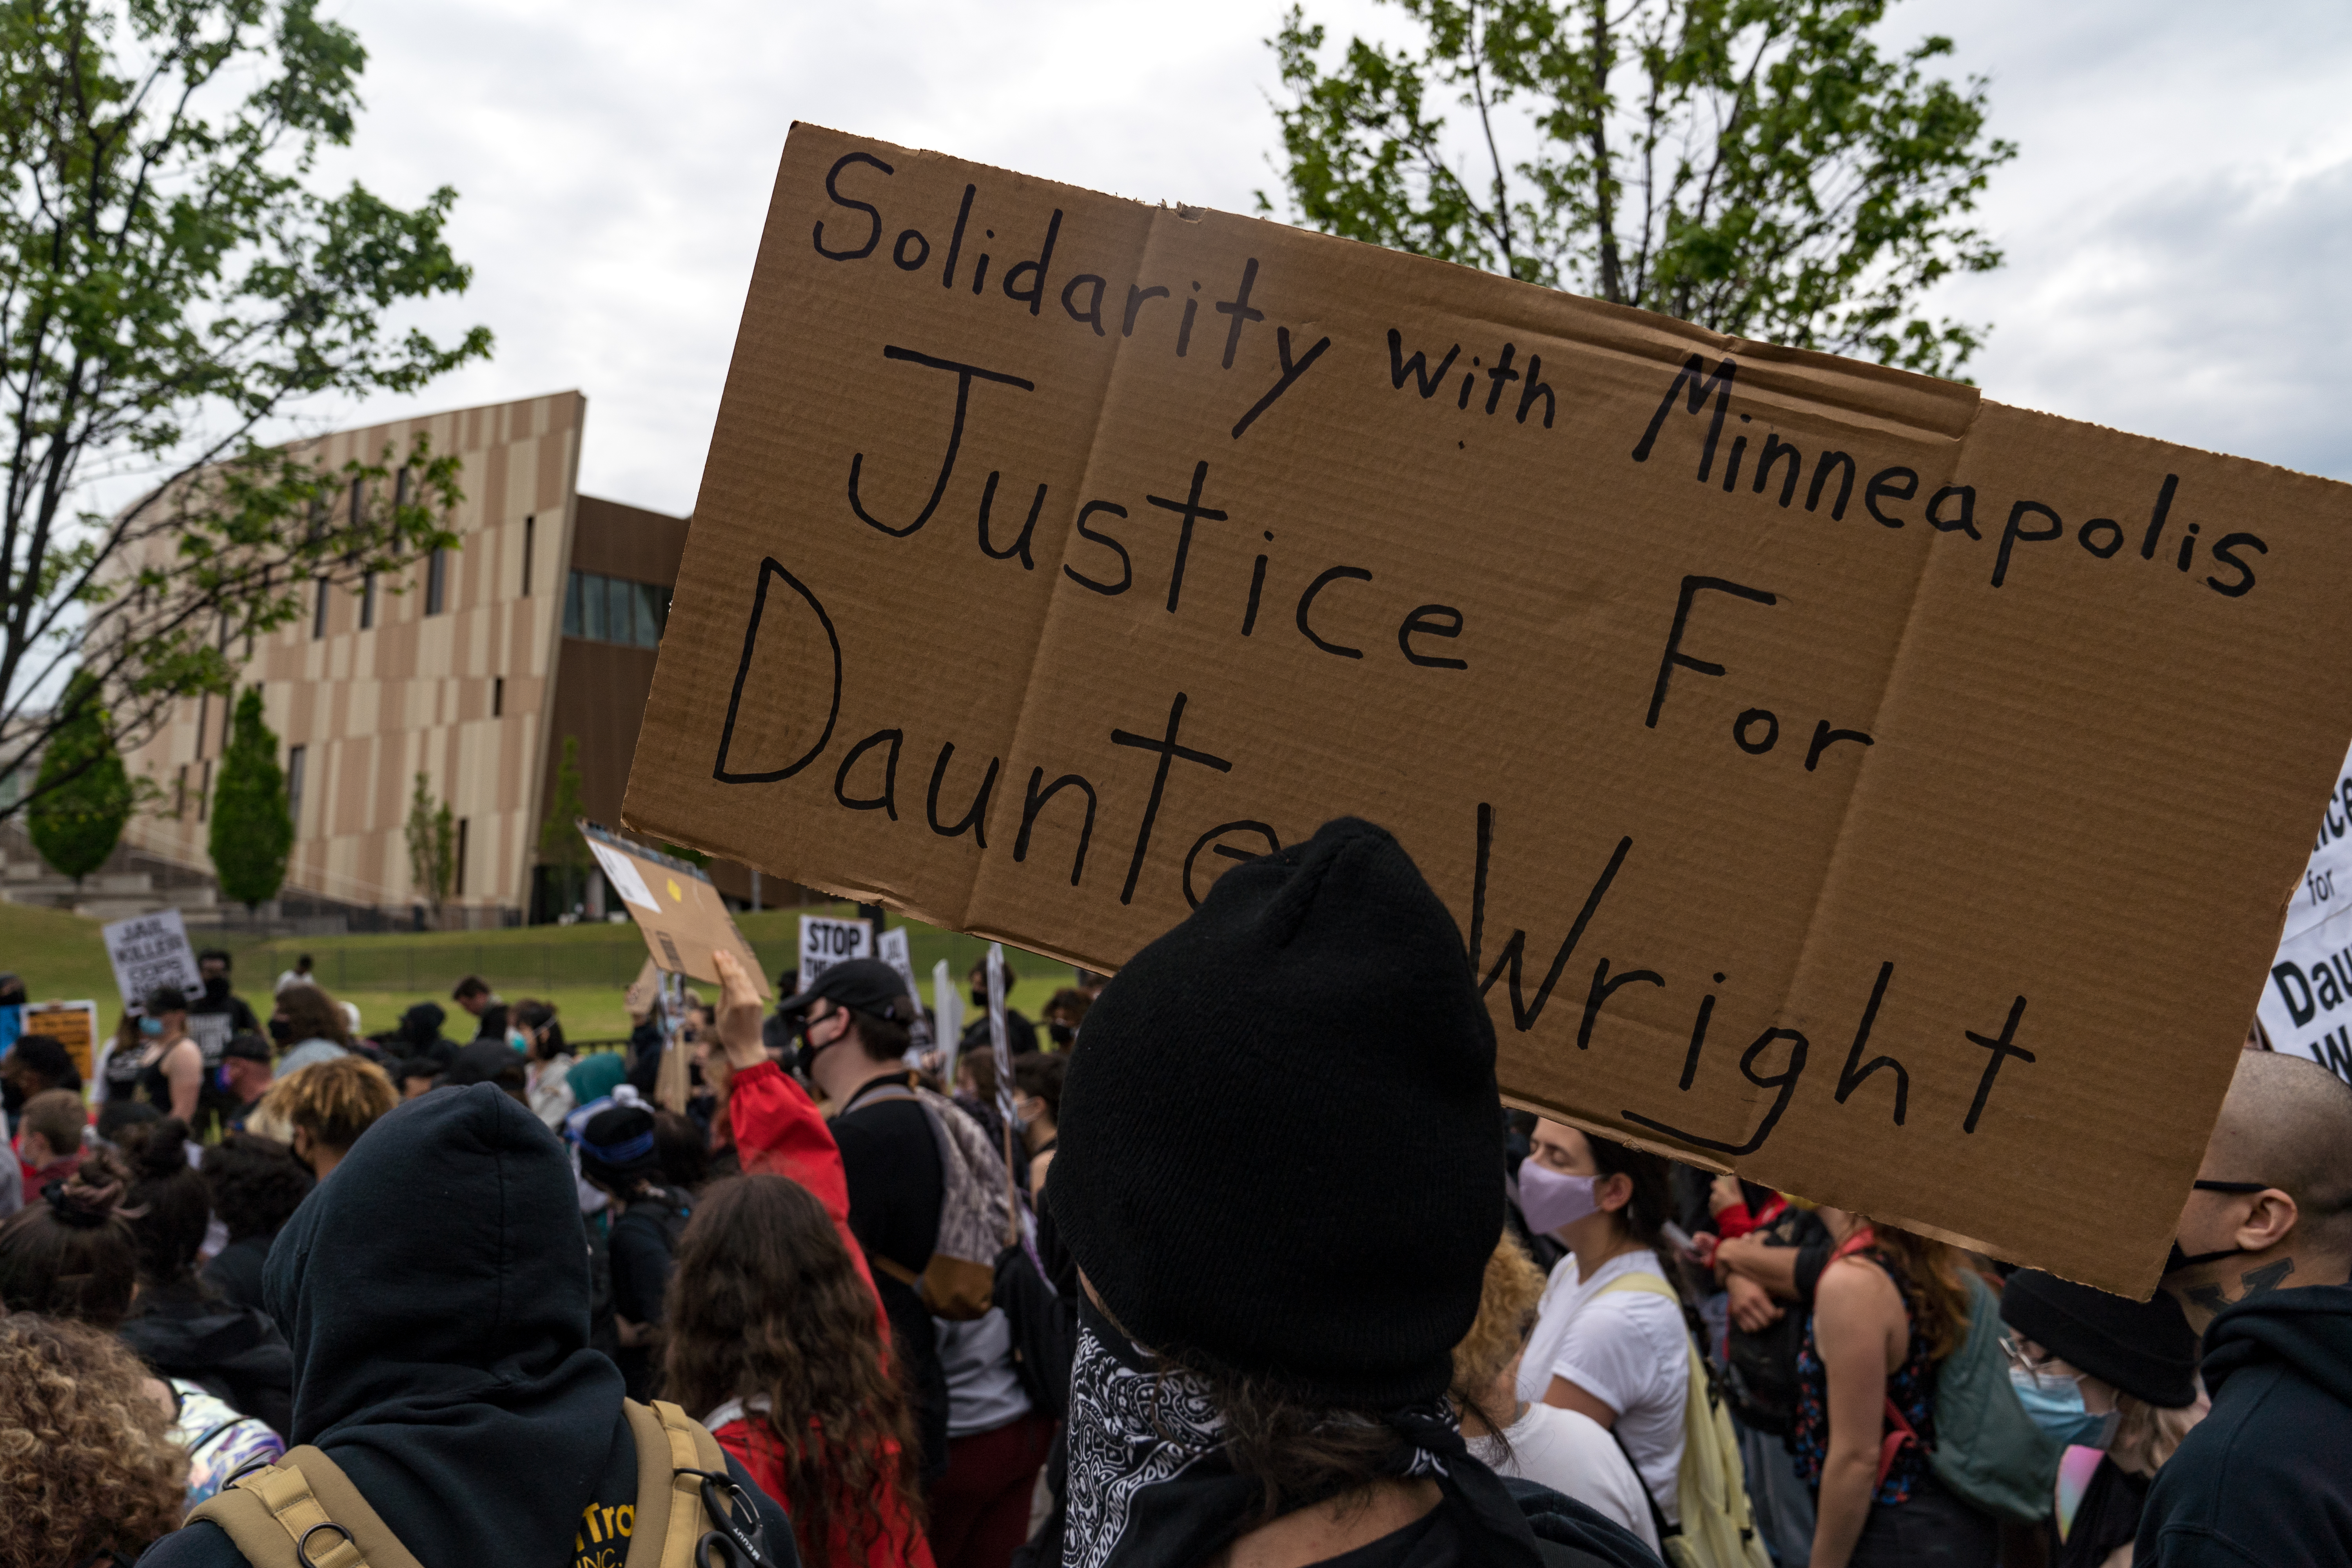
1927	1272
765	1301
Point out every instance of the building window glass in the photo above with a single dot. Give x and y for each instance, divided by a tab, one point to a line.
367	601
529	526
204	793
295	757
319	615
498	696
180	794
461	879
437	582
613	609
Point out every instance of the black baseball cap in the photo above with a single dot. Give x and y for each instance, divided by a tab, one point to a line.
248	1047
860	985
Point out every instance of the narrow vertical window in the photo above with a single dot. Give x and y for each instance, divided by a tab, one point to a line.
204	719
180	794
319	615
460	878
593	598
367	601
575	624
295	757
649	617
529	527
204	793
498	696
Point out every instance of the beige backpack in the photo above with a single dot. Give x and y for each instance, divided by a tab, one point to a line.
1717	1527
304	1512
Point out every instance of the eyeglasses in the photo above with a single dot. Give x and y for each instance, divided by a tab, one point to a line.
2014	1350
2203	1186
741	1540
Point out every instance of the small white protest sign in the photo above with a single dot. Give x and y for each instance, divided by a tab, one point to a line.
149	951
946	1013
623	873
2307	1008
890	947
825	942
2326	885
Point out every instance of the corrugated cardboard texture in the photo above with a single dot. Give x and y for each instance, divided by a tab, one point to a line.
689	920
1593	608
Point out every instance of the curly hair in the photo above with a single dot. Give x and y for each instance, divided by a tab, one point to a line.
87	1463
1506	1314
314	1015
765	1301
333	1102
257	1183
68	1254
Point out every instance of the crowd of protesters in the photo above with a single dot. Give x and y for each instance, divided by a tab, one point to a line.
1236	1260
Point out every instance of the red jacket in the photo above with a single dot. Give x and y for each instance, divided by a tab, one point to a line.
778	1131
754	1443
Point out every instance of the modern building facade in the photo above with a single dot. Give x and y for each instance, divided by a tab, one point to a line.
471	671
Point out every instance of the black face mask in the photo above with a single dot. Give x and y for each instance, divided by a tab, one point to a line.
979	996
216	988
2178	1260
282	1031
12	1097
1063	1034
805	1055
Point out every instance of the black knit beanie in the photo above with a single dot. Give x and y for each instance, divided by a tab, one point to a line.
1281	1147
2144	1348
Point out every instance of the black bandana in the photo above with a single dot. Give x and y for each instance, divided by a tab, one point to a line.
1150	1485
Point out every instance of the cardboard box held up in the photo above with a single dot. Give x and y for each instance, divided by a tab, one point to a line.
681	916
1837	775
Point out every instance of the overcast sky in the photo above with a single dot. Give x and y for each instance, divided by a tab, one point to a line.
2178	224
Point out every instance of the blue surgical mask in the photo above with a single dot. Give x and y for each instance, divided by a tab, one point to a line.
151	1028
2055	1404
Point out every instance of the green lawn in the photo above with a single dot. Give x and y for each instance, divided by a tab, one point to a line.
582	969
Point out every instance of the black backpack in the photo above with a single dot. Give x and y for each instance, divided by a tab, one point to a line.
1045	1329
1761	1372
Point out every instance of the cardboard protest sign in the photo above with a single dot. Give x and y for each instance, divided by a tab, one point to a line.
1837	775
825	942
149	951
73	1025
679	913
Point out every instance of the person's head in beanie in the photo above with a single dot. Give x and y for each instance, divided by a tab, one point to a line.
1294	1264
2103	1371
618	1150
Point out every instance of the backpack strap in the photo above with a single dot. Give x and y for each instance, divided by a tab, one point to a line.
302	1512
670	1520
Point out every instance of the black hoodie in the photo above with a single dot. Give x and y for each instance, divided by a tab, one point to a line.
435	1291
2266	1478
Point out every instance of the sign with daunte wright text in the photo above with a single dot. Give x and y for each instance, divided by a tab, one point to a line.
1837	775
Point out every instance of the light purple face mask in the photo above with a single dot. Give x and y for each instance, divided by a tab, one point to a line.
1550	1199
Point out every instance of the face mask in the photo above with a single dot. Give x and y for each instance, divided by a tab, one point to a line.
805	1055
518	1041
1063	1034
2178	1260
151	1028
220	1078
2057	1405
1550	1199
281	1030
217	989
979	996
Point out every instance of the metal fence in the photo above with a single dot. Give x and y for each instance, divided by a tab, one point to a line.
514	968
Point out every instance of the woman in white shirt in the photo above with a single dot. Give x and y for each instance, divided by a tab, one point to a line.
1610	1341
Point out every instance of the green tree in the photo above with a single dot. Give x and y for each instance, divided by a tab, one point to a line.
82	796
560	848
1759	167
431	834
252	828
172	287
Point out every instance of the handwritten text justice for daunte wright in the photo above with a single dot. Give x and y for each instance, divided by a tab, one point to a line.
853	231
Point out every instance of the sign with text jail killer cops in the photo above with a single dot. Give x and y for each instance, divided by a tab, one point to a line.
1836	776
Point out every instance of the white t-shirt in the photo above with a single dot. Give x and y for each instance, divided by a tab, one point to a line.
1628	1349
1569	1452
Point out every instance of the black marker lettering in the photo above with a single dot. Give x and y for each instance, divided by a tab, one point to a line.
887	801
1882	483
2225	550
1188	509
1674	655
1775	449
1020	546
899	251
1822	466
1694	375
1500	376
1092	314
1605	986
1136	296
1697	1039
1034	293
873	214
1272	847
1422	621
1424	380
1258	583
1169	752
1785	1080
1290	373
2013	533
955	240
1855	1073
1126	566
964	373
1033	801
1964	523
769	568
1524	1013
1239	310
973	821
2156	518
2110	533
1824	738
2002	1050
1535	389
1307	602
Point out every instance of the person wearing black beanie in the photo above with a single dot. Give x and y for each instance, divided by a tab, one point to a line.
619	1158
1280	1171
2101	1372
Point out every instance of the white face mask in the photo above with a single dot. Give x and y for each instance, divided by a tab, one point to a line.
1551	1198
